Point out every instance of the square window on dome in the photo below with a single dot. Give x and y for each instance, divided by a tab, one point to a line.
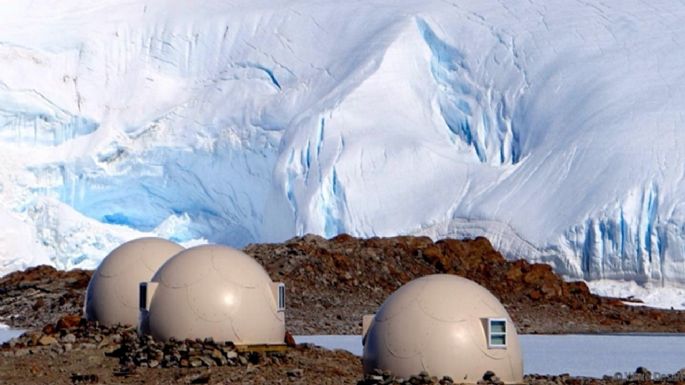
497	333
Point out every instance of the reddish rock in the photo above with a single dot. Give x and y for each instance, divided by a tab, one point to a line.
38	304
68	322
342	238
289	339
49	329
514	274
433	254
535	295
551	289
538	273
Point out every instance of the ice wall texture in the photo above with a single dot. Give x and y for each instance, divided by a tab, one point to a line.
552	127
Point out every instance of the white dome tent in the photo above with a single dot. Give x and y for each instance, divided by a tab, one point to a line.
213	291
447	326
112	293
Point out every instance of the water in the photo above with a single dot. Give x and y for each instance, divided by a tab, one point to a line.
7	334
578	355
352	344
598	355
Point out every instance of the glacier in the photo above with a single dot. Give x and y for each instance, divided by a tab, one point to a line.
554	127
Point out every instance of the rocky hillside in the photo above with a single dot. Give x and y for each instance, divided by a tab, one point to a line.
332	283
41	295
345	277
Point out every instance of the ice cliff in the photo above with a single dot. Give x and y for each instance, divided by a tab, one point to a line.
555	127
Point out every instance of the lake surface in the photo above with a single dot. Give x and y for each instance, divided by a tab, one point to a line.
579	355
6	333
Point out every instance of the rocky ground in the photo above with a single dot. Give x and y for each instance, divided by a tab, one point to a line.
76	352
330	285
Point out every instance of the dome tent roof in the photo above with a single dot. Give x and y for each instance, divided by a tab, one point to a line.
112	293
213	291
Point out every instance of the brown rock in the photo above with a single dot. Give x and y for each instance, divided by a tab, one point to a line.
551	289
47	340
289	339
538	273
535	295
342	238
49	329
433	254
69	322
295	373
38	304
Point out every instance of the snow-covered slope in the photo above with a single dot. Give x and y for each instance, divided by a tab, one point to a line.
553	127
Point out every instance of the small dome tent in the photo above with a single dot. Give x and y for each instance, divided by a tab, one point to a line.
447	326
112	293
213	291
